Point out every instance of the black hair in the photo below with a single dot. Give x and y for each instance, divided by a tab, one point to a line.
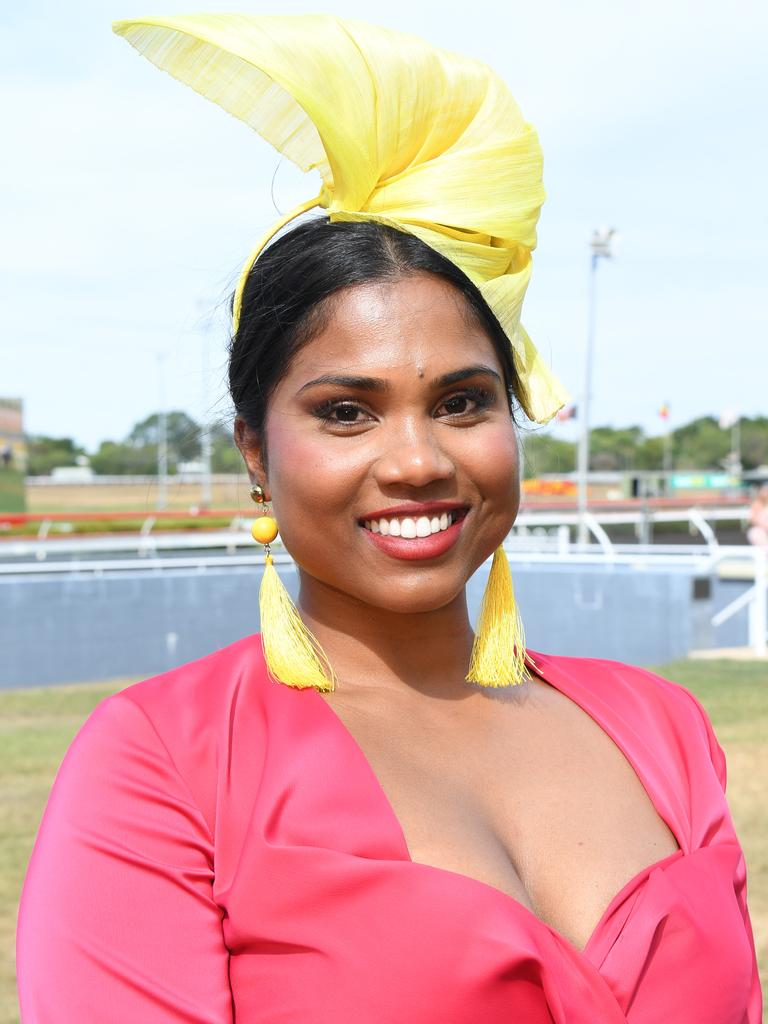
284	302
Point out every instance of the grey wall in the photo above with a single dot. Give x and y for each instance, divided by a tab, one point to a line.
75	628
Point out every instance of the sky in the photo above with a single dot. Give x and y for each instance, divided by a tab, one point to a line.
128	204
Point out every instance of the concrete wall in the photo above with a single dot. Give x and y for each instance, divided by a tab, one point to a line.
76	628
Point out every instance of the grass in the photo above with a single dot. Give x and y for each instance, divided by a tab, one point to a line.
136	497
180	524
11	490
37	725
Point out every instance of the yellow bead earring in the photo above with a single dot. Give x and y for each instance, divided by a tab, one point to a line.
293	655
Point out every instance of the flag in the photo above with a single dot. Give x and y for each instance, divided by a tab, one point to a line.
568	413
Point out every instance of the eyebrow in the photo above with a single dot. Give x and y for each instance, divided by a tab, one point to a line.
378	384
476	370
346	381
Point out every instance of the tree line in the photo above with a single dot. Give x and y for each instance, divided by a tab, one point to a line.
700	444
137	454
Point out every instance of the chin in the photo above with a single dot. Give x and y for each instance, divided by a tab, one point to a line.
416	595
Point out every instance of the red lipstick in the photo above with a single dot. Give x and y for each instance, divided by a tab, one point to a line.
413	508
419	548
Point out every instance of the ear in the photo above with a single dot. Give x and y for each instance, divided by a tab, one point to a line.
249	443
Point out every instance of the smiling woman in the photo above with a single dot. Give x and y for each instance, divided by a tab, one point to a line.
386	400
369	812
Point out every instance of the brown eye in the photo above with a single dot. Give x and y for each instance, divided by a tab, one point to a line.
468	402
456	405
340	414
346	413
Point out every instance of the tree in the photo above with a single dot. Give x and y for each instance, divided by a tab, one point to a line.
700	444
116	459
543	453
754	442
613	450
181	431
45	453
650	454
225	458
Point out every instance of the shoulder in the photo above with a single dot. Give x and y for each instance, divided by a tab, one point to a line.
198	693
186	720
664	713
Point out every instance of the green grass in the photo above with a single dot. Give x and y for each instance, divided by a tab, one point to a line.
12	495
185	524
36	726
735	694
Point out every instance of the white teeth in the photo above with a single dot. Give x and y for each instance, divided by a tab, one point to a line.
410	528
423	526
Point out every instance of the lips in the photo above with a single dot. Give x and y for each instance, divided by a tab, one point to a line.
413	532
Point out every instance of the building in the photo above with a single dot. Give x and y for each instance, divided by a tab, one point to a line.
13	456
13	446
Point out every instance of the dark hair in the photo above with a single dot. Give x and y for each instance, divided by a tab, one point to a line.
284	302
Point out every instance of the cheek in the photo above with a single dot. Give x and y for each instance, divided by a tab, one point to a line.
310	478
495	462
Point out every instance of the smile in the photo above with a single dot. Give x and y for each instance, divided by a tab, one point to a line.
412	527
416	537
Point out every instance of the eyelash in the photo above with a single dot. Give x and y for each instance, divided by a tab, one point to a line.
482	398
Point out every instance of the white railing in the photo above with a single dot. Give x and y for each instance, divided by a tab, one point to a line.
529	523
530	542
755	599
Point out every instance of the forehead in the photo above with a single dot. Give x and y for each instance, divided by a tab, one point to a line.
419	324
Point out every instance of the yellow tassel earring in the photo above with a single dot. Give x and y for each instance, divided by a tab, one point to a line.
498	653
293	655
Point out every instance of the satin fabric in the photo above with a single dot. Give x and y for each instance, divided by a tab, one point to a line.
216	847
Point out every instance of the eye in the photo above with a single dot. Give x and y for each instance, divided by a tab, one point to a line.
467	402
341	413
457	404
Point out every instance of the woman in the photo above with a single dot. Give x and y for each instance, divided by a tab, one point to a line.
391	842
757	533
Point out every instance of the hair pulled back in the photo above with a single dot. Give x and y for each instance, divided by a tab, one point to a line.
285	300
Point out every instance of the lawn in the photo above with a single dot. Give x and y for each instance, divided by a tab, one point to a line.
37	725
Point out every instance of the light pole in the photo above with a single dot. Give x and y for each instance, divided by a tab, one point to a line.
600	246
205	428
731	420
162	437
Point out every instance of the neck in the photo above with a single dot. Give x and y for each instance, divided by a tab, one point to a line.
422	652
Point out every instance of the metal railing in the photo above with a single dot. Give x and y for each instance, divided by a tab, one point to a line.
537	538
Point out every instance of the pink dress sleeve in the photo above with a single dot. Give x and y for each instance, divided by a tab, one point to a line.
117	920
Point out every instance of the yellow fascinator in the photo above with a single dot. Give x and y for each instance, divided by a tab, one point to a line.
418	138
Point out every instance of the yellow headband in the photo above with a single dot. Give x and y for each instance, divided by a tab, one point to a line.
402	133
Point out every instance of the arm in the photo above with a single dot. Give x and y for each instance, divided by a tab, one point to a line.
117	920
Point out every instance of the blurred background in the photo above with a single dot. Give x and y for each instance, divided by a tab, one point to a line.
128	205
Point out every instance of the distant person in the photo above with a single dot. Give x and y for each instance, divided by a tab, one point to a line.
393	819
6	456
757	533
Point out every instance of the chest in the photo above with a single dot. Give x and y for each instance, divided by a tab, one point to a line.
530	797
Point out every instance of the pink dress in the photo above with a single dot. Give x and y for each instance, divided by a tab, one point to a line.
216	848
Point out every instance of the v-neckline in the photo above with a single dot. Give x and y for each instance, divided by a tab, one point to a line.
535	663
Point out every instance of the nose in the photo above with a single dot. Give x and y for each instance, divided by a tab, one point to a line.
413	456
